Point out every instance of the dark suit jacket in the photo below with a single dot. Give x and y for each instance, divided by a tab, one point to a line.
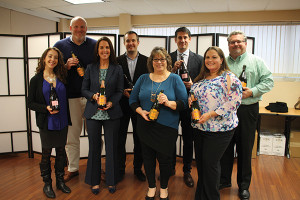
141	68
194	64
36	101
113	89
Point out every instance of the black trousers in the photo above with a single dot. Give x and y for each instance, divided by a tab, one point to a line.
243	139
188	139
93	170
209	148
165	165
122	137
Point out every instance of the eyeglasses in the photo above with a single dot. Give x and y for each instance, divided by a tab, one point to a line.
161	60
237	41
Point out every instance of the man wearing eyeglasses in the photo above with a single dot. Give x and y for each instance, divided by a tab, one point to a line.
193	63
259	81
134	64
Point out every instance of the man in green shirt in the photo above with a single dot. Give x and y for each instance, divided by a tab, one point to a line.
259	81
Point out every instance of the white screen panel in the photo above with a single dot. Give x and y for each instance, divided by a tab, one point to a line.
129	143
122	46
32	64
146	44
5	143
15	114
173	45
223	44
20	141
130	129
37	45
16	43
53	39
193	44
33	121
249	45
84	147
36	142
204	42
3	77
16	76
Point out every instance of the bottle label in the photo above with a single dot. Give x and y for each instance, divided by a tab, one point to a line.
153	114
196	114
102	100
80	71
244	84
183	76
54	103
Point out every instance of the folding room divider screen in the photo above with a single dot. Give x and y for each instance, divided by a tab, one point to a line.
19	56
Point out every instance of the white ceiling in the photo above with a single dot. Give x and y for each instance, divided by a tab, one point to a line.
113	8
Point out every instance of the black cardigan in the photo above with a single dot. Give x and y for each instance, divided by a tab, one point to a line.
36	101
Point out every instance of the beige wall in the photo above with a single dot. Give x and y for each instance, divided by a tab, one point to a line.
202	18
13	22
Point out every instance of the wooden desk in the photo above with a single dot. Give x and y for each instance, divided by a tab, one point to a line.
291	115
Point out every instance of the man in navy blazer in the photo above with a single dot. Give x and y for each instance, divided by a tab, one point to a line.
134	64
193	62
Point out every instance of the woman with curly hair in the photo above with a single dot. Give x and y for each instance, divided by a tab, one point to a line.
52	123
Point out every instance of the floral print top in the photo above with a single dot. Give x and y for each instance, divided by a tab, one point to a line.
223	95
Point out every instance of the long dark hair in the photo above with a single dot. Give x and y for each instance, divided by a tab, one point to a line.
112	56
204	72
59	70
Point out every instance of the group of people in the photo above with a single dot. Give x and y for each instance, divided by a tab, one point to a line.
132	83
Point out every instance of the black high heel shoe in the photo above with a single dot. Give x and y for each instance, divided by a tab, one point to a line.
149	198
95	190
112	189
166	198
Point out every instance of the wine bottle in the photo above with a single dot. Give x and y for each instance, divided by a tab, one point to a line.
80	69
183	72
102	96
53	99
243	77
154	111
195	109
130	84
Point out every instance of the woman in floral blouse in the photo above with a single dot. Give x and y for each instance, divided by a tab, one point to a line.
219	94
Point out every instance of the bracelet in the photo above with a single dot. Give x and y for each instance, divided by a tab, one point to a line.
209	115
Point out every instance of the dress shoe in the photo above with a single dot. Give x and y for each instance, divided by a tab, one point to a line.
140	175
48	190
70	175
152	190
224	185
188	180
95	190
112	189
167	198
149	198
244	194
62	186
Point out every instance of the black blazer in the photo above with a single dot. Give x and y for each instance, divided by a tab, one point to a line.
36	101
194	64
113	89
141	68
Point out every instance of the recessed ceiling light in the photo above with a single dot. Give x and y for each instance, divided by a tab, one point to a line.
84	1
